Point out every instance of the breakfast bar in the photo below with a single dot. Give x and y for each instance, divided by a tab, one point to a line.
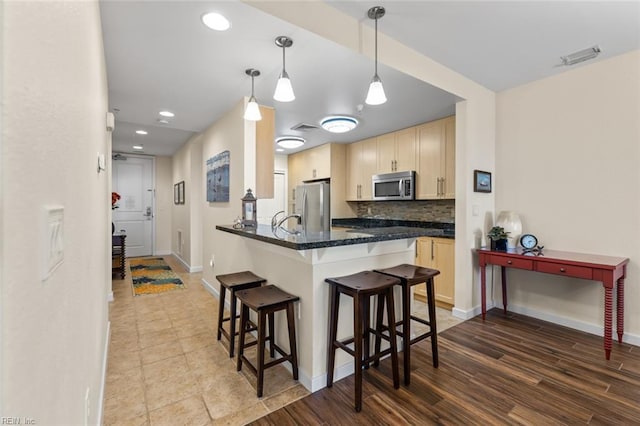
299	264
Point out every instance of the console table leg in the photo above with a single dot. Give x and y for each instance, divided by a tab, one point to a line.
620	309
608	308
483	290
504	289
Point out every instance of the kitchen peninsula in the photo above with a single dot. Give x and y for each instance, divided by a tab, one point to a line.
300	263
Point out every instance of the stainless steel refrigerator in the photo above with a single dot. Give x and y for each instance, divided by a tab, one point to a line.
312	204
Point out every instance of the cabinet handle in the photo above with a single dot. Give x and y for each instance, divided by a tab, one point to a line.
509	262
442	190
314	173
432	257
563	270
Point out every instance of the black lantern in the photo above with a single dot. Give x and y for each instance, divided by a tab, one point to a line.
249	209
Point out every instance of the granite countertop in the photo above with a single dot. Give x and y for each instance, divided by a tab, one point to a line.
358	235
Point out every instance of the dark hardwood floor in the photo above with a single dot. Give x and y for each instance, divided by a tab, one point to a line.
507	370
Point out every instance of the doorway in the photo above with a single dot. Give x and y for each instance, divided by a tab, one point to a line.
270	206
133	179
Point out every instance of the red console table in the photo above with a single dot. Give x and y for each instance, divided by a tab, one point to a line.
606	269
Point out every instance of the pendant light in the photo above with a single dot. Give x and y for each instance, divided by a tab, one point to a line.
376	95
284	90
252	113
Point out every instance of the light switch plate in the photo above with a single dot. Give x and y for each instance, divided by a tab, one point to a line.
52	240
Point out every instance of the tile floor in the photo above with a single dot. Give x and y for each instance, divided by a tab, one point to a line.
166	367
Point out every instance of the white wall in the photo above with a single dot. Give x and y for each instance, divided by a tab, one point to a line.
54	104
163	204
568	156
181	215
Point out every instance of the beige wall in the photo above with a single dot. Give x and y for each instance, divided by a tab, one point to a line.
181	215
53	123
568	156
164	204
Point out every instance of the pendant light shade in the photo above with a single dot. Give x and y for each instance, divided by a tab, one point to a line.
376	95
252	112
284	90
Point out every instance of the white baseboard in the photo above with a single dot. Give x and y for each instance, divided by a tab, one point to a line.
103	378
163	253
468	314
110	297
189	268
590	328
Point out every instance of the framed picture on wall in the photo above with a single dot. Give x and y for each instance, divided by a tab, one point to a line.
481	181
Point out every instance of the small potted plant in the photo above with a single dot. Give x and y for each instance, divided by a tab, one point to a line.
498	237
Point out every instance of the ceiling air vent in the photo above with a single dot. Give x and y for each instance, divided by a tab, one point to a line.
303	127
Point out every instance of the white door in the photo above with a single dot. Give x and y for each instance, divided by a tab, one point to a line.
133	180
269	206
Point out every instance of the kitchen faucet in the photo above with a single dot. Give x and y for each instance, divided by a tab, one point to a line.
278	224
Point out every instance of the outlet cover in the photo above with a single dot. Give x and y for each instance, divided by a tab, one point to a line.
52	240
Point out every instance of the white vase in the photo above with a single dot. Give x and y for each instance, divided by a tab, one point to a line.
511	223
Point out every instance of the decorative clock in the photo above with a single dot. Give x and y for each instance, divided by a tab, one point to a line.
529	243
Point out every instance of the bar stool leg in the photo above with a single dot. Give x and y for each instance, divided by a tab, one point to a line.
431	302
366	325
272	348
406	333
232	324
262	317
221	310
334	301
379	315
244	317
357	335
292	340
391	319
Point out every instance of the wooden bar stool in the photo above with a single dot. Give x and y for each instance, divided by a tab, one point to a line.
265	301
409	276
361	287
233	282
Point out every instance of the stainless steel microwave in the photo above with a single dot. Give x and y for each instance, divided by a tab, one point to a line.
394	186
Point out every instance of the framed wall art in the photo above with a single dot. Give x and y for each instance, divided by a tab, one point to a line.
218	177
481	181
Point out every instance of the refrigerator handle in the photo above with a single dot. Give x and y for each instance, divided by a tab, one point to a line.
305	210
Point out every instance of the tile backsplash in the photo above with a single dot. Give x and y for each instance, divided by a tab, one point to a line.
422	210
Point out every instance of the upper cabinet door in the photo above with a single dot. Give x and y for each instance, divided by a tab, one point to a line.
430	137
405	152
386	153
449	175
368	166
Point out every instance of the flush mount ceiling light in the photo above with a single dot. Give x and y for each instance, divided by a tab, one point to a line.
290	142
580	56
252	113
162	121
167	114
338	123
376	95
142	132
138	147
215	21
284	90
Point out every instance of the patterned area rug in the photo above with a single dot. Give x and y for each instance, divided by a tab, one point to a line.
152	275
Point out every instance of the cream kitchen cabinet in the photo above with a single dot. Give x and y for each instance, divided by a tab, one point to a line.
436	144
396	151
437	253
361	165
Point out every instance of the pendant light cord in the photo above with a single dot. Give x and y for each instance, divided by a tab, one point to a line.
283	68
252	86
376	63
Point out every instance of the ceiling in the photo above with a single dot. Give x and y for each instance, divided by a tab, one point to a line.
160	56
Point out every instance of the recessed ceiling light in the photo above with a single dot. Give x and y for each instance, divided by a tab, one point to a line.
142	132
162	121
338	123
290	142
167	114
279	150
215	21
138	147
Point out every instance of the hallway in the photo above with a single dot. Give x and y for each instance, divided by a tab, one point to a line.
167	368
